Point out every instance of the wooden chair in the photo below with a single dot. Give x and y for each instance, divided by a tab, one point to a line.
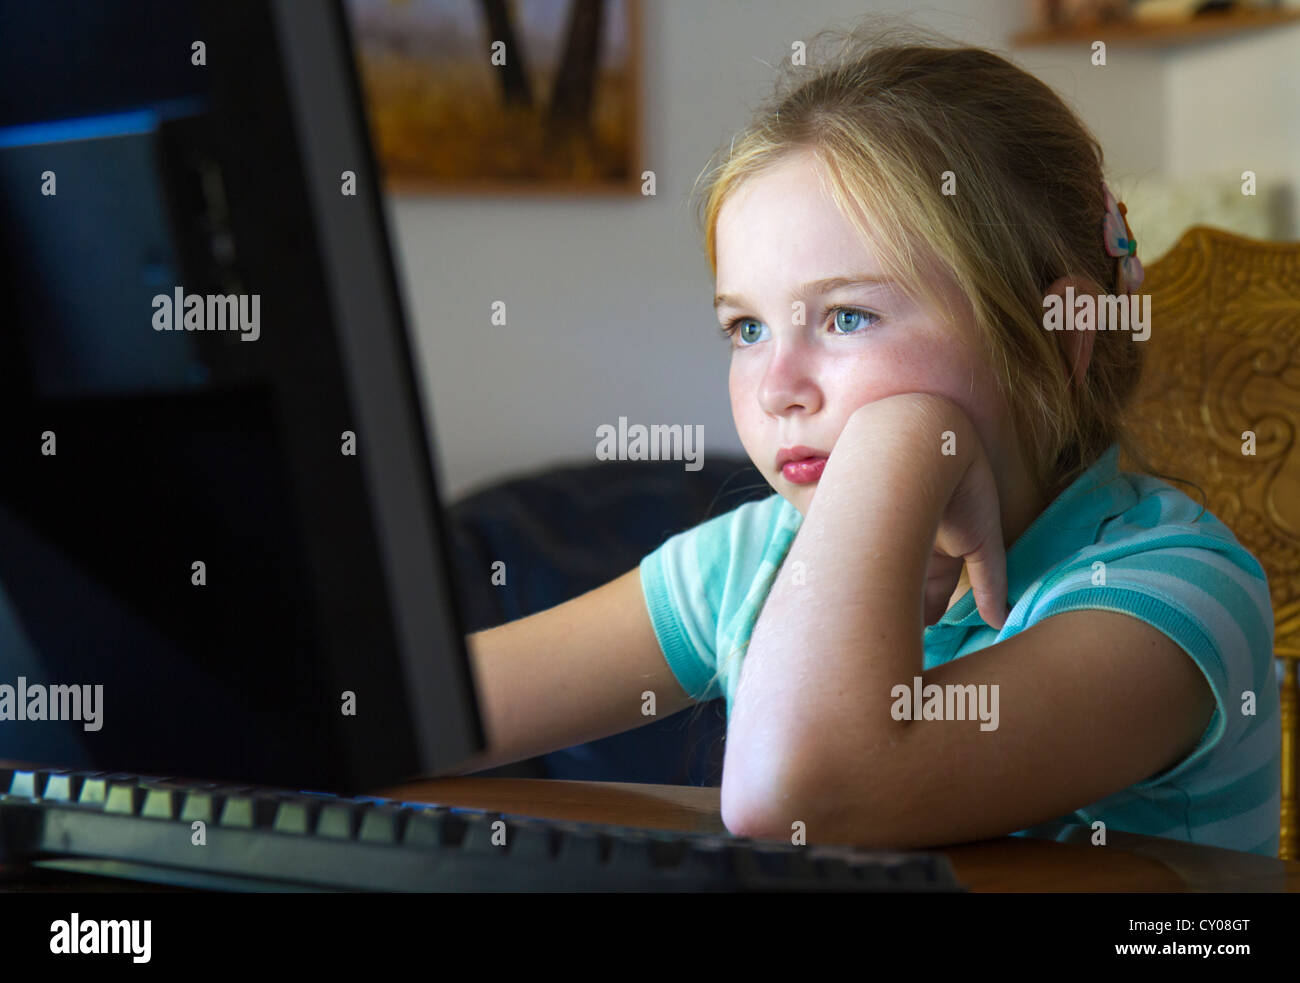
1225	322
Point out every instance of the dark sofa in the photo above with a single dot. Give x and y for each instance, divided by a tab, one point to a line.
568	529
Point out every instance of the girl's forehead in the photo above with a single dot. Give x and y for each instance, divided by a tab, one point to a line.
784	227
789	235
794	182
787	223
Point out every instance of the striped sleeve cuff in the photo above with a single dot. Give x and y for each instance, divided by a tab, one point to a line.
692	672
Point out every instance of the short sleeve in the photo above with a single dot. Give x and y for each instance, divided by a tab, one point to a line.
694	582
1211	598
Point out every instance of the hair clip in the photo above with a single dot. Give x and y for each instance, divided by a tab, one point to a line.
1119	241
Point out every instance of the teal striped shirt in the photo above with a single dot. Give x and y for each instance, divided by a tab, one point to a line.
1161	559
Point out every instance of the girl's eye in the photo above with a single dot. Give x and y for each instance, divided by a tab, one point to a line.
859	317
850	324
740	324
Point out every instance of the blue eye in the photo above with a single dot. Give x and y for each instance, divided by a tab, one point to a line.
852	312
736	325
857	315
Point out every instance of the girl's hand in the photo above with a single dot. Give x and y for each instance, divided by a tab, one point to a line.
970	530
942	575
967	507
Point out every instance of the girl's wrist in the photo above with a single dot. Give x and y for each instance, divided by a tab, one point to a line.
922	443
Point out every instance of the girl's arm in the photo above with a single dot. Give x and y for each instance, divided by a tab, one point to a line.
1090	701
573	673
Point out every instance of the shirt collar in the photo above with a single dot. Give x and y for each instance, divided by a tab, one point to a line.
1066	526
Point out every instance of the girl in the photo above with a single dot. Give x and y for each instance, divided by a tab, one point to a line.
956	618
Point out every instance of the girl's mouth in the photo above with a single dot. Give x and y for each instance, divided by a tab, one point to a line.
804	471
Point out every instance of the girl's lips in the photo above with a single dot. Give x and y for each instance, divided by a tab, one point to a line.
804	471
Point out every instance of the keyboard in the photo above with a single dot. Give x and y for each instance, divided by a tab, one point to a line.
259	839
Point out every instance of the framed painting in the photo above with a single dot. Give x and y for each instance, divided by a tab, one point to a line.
516	96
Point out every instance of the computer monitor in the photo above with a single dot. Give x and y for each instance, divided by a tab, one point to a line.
222	549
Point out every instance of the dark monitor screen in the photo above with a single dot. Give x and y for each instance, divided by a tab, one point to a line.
220	530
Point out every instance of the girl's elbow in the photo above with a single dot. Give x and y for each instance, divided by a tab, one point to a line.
771	805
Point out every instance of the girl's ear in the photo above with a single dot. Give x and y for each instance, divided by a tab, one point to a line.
1076	345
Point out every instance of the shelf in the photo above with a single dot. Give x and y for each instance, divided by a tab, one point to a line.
1158	33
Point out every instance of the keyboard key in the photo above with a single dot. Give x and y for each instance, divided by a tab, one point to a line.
94	791
159	803
478	838
453	828
124	798
582	850
63	788
834	872
338	820
201	807
708	860
424	829
23	783
247	811
667	854
298	818
759	866
382	824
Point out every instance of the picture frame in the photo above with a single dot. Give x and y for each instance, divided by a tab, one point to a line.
528	97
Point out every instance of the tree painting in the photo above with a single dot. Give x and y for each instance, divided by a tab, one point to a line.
467	95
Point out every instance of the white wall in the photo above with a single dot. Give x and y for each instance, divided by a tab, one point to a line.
1179	125
609	300
1235	106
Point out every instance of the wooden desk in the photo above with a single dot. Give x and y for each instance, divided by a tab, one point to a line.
1128	863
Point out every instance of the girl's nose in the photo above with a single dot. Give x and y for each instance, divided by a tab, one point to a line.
790	380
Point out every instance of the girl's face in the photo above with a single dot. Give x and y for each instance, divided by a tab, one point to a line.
780	241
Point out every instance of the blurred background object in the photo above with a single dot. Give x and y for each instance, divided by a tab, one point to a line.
537	96
1162	208
1180	10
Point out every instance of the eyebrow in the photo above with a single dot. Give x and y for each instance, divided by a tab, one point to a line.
816	287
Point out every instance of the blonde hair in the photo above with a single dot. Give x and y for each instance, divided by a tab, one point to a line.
887	113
